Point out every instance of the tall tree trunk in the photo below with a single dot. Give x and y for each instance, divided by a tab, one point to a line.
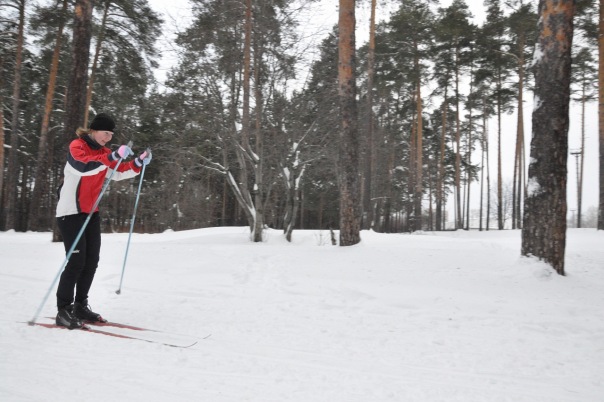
544	231
430	199
43	165
499	173
246	122
518	171
412	174
258	161
581	163
386	201
75	100
370	154
469	156
458	221
95	62
486	142
302	209
440	178
468	174
348	161
1	144
23	198
76	96
247	60
601	113
482	173
13	155
419	164
234	89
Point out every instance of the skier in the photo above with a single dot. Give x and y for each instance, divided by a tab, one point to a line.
88	162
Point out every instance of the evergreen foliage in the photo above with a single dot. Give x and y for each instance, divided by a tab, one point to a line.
439	79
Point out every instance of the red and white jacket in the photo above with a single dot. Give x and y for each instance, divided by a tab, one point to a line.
87	165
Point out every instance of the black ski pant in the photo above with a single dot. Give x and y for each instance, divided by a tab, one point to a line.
79	271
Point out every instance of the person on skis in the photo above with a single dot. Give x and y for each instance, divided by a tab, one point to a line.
88	162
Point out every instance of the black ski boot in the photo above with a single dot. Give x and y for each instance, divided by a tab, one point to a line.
66	318
83	312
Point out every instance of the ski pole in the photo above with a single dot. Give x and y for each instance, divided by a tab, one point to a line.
75	242
138	193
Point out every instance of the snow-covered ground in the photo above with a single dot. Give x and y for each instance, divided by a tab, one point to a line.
455	316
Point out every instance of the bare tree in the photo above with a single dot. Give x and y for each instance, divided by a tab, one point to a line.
292	172
544	229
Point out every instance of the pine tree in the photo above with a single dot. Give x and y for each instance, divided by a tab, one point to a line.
369	146
10	196
584	75
76	92
348	161
455	37
497	67
601	114
39	216
522	24
410	36
544	229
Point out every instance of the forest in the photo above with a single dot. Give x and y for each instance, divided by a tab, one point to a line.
244	132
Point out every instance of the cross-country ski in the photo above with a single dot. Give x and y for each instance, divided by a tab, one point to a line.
126	331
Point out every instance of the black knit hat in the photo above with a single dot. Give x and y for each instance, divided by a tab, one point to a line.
102	122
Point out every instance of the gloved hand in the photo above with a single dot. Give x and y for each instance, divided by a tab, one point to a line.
144	158
122	152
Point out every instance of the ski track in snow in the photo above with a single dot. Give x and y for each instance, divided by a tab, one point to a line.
454	316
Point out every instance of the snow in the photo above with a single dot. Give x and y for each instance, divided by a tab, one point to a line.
285	171
449	316
537	103
538	53
533	188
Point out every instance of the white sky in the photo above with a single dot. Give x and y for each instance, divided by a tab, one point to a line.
323	16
